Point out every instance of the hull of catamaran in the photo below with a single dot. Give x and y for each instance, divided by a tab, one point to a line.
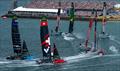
46	45
57	61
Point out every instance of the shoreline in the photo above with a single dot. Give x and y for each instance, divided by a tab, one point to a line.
81	15
77	18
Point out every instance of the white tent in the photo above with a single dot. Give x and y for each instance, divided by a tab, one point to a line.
117	6
37	10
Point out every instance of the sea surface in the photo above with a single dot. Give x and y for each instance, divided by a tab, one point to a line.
68	49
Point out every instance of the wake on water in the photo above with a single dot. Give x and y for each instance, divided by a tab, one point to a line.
113	49
87	58
26	63
69	37
76	58
113	38
69	59
79	36
17	63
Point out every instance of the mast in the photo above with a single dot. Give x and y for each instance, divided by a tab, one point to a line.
58	18
16	36
95	30
89	30
71	16
45	39
104	18
14	4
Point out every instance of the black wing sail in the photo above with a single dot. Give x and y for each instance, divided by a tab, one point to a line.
95	31
71	26
56	56
58	20
16	37
45	40
104	17
71	15
20	52
55	52
25	51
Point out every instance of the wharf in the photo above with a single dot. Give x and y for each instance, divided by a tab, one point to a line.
83	10
77	18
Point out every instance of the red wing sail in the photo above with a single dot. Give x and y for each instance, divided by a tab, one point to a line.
88	33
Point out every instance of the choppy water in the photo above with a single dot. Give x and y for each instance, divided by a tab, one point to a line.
69	50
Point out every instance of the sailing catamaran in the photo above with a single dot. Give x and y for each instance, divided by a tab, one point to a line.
58	18
89	30
20	51
103	33
94	48
46	46
69	35
58	21
57	31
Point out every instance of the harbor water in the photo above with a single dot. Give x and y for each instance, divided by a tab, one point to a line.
68	49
